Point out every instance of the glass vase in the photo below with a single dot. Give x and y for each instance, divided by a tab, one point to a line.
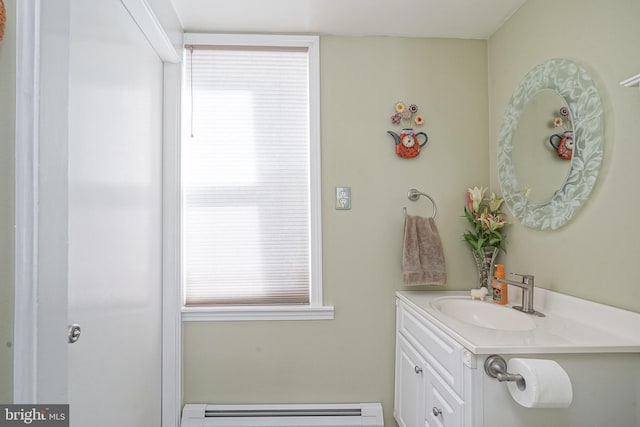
484	259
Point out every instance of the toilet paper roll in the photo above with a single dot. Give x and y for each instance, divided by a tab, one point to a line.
546	385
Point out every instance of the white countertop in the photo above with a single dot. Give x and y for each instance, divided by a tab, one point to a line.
571	325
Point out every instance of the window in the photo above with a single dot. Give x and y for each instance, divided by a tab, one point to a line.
251	178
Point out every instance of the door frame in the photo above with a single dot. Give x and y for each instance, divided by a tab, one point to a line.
41	206
171	249
41	202
27	143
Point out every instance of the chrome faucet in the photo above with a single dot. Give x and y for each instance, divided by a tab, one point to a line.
527	293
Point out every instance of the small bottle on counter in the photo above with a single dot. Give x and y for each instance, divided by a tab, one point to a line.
499	289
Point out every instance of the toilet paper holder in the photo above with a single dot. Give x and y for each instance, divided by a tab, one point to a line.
496	367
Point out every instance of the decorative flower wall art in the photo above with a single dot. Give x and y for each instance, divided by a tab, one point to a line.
408	143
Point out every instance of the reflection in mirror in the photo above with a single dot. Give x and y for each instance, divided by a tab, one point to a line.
573	84
539	168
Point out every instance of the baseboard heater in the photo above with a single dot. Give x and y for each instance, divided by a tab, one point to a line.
316	415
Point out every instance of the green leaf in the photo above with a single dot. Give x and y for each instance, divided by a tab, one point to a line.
469	217
471	240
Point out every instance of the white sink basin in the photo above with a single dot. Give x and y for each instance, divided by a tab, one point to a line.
484	314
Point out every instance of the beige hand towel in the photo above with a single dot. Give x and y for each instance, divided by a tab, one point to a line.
422	254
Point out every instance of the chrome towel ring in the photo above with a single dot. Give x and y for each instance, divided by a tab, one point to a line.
414	195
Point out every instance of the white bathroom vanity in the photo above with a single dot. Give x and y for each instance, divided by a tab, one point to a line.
444	338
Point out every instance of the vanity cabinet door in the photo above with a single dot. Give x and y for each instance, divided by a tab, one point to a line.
411	370
443	353
443	406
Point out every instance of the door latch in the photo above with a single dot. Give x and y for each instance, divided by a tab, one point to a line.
74	333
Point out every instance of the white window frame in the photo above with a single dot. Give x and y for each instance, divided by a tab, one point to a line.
315	310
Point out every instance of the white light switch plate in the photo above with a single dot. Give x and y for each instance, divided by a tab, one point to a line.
343	197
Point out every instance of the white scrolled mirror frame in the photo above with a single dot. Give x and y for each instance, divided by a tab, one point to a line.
574	84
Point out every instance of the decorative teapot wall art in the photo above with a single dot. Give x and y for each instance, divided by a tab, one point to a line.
563	142
408	142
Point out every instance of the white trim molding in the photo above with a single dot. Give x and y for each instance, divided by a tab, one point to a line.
171	292
315	172
150	26
26	246
40	364
312	42
205	314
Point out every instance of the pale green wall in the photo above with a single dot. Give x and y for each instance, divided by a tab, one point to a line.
351	358
7	183
595	256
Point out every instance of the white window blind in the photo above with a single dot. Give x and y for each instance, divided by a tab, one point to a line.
246	176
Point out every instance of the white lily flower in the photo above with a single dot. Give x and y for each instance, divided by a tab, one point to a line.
495	202
476	194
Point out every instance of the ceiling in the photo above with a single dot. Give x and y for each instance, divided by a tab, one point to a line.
466	19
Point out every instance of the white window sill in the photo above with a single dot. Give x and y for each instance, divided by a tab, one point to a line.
222	314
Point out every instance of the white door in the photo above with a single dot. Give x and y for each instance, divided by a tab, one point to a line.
114	219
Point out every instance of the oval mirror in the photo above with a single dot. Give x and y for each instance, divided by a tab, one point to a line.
535	143
544	187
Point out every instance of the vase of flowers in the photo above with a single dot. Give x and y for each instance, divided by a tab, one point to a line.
484	258
485	238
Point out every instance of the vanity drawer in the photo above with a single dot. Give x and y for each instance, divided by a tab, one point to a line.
443	406
442	352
